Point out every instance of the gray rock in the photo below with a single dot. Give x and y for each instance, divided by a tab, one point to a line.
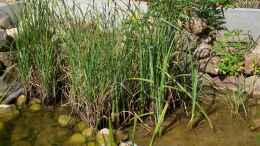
5	21
10	85
7	58
203	51
209	66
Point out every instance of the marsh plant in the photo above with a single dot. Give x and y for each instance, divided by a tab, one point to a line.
36	47
145	65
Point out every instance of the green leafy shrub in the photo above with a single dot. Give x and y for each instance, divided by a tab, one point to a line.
231	49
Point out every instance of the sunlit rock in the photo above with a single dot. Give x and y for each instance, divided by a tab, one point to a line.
12	32
21	100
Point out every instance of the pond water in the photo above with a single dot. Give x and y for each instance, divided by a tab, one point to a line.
228	131
41	129
35	129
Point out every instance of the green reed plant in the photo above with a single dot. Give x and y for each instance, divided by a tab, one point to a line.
138	66
98	66
35	45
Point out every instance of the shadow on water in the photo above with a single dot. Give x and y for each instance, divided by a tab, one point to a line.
5	135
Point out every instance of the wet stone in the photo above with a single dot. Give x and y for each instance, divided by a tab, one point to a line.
88	132
102	136
65	120
76	139
80	126
35	107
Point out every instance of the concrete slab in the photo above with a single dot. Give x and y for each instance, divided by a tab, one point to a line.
244	19
105	9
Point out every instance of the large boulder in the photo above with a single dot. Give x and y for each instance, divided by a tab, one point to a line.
196	25
10	85
203	50
210	66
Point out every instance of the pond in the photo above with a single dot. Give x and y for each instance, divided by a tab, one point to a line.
35	129
42	129
228	131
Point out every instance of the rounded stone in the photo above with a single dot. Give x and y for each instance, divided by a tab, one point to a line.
102	136
91	144
128	143
64	120
121	136
80	126
21	100
88	132
35	101
35	107
76	139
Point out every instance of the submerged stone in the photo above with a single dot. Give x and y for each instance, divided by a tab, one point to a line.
8	112
35	107
88	132
35	101
91	144
76	139
81	126
65	120
102	136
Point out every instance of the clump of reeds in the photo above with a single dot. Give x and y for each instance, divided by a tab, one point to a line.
143	65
